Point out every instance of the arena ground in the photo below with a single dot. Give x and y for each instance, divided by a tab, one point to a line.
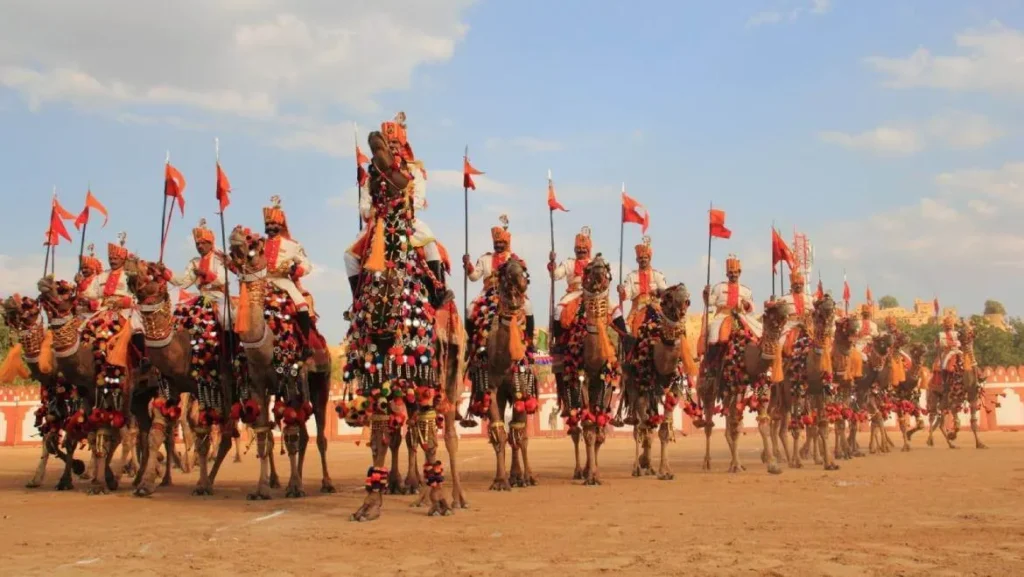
929	512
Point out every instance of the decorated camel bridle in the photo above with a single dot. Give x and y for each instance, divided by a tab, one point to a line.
248	261
843	346
514	280
24	315
60	303
148	285
597	279
672	319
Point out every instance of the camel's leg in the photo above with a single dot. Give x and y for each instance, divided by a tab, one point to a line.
275	480
903	420
516	477
708	428
303	445
393	444
320	415
204	486
594	437
451	444
522	441
237	442
223	448
111	480
101	448
974	404
169	447
664	435
377	476
638	442
37	478
155	438
647	448
499	440
764	429
413	478
574	434
732	431
264	447
291	437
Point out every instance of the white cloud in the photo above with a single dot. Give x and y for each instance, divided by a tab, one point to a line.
961	130
821	6
452	180
19	274
247	59
1005	183
991	60
527	143
981	207
763	18
935	210
883	140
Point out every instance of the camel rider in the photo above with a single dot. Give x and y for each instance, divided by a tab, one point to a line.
206	272
947	343
89	269
571	269
867	330
394	133
286	264
487	267
639	286
799	309
899	339
110	290
726	298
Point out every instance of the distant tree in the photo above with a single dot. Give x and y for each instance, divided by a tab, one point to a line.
994	308
993	346
888	302
5	339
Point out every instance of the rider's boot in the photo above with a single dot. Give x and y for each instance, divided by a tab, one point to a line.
305	323
436	291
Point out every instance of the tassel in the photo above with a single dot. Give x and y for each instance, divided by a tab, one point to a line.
13	367
46	364
855	365
375	260
516	339
605	345
689	365
968	360
778	374
826	356
242	320
117	351
897	374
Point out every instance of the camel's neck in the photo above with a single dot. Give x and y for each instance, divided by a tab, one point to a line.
253	291
595	306
157	322
65	333
31	338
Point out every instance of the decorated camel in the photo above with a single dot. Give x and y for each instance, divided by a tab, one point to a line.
884	368
906	395
273	365
392	354
501	373
847	370
186	345
731	370
963	390
658	372
589	370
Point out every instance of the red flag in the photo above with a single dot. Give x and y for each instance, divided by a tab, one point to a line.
174	186
846	290
91	203
61	211
820	293
717	224
870	298
935	305
780	252
223	189
361	175
57	229
467	174
631	211
553	203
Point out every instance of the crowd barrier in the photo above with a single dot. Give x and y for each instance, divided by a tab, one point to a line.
1004	391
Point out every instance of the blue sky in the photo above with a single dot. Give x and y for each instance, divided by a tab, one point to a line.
890	134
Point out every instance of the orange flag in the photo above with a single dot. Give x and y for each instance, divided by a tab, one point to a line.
467	174
91	203
780	251
361	175
174	186
871	299
633	211
716	224
57	228
61	211
553	203
223	190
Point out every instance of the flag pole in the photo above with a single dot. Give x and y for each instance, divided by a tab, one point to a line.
49	233
85	225
165	226
224	243
773	259
551	296
707	284
465	213
622	238
359	186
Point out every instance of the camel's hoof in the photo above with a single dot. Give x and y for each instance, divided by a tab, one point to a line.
592	482
257	496
666	476
774	469
531	481
858	454
97	490
275	482
832	467
952	446
440	509
764	457
930	442
327	487
395	489
33	485
517	482
735	469
577	475
501	485
165	483
65	486
796	465
459	500
237	460
202	491
142	492
294	493
905	449
636	472
982	446
365	513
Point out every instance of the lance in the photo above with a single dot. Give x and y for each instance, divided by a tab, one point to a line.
224	243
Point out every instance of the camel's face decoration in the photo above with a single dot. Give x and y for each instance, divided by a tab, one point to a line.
597	276
246	251
146	280
58	297
675	301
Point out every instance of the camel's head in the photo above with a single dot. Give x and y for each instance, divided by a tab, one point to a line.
513	282
774	317
846	331
146	280
674	302
882	345
20	312
245	252
824	315
58	297
966	334
597	276
917	352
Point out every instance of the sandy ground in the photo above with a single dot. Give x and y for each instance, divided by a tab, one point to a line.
931	511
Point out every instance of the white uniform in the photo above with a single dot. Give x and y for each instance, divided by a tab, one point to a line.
281	254
213	290
118	297
718	305
635	291
422	236
84	288
866	330
484	269
574	284
796	306
949	344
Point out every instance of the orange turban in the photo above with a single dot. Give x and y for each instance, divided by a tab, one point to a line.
583	239
644	248
90	262
501	233
732	264
201	233
118	250
796	277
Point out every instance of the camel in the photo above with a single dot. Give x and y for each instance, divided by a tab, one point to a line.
807	395
589	370
877	393
187	348
273	366
962	390
392	348
658	370
728	371
58	399
502	374
847	369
